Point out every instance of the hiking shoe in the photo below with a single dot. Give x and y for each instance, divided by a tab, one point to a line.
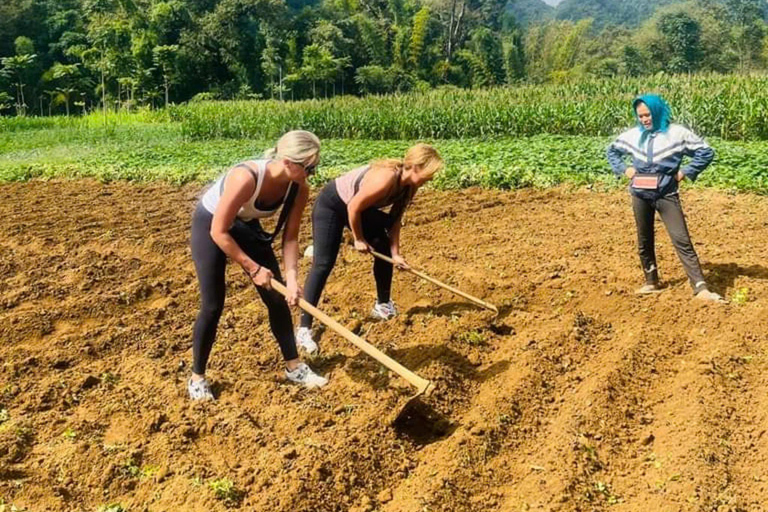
199	389
384	310
304	340
648	289
710	296
304	375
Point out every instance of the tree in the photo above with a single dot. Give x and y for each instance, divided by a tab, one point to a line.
164	57
374	42
418	36
372	79
631	61
6	100
682	34
66	77
514	57
318	65
747	30
14	68
487	45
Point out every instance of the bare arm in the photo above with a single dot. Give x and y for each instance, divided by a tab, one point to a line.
238	188
291	245
394	237
394	245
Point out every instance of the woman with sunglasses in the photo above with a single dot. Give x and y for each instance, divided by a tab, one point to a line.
226	224
657	147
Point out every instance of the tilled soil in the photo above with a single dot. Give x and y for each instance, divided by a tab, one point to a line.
579	396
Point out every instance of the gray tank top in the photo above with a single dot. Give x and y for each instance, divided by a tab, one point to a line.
348	184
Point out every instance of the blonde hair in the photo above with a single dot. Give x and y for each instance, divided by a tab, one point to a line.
387	164
299	146
424	156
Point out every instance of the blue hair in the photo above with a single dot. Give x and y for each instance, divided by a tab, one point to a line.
660	114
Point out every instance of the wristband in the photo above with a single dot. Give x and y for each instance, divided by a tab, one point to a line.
252	274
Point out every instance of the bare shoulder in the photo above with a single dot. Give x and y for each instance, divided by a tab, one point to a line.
380	178
240	179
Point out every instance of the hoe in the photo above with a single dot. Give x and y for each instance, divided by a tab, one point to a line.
423	386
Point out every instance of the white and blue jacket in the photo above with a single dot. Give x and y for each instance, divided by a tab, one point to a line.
662	153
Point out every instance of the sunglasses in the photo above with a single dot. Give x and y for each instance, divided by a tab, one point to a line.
310	169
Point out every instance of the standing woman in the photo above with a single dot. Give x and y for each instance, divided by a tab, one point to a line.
356	200
657	147
226	224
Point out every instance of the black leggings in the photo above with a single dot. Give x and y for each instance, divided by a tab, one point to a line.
210	263
329	216
671	213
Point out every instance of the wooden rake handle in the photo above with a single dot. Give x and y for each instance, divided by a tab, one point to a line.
422	385
434	281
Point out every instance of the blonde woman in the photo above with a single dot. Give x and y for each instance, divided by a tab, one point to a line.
226	224
356	200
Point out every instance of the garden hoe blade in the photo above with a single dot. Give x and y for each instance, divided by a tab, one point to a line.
423	386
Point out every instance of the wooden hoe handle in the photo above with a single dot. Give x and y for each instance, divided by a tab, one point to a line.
440	284
421	384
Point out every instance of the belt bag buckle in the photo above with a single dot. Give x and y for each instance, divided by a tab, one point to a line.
645	181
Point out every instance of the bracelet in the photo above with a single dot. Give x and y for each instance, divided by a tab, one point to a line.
252	274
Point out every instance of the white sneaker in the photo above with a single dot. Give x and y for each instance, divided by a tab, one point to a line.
648	289
304	375
384	310
304	340
199	389
710	296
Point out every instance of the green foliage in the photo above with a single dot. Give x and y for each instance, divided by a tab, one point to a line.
682	35
76	57
740	296
142	151
473	338
224	489
373	40
502	138
734	108
418	36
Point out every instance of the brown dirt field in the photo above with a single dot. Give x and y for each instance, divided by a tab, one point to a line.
579	397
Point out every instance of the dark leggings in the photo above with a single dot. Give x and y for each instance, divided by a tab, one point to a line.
671	213
210	263
329	216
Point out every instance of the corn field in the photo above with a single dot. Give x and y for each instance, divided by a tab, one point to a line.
729	107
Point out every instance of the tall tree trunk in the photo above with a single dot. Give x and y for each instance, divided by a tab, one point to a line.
23	100
103	94
450	31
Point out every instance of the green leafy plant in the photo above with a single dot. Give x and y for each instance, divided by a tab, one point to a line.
224	489
473	338
740	296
